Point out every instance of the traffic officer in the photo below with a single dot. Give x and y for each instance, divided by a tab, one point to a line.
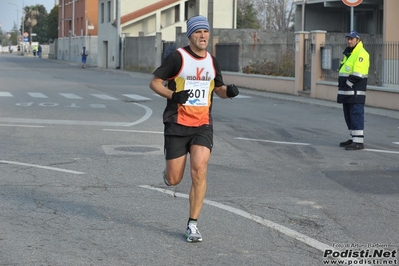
352	84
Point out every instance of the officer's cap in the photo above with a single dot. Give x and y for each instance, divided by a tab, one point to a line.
353	34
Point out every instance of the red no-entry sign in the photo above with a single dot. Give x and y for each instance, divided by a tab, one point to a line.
352	2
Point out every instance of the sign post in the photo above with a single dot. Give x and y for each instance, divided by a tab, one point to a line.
352	4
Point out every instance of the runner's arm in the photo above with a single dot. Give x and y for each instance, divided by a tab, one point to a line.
156	84
221	91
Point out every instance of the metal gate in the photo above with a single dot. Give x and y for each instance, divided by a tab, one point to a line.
167	48
308	64
228	56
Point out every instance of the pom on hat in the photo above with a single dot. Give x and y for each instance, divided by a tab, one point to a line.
196	23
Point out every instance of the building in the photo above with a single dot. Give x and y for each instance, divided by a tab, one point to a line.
372	17
125	18
77	25
77	18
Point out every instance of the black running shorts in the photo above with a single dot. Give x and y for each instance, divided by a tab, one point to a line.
177	146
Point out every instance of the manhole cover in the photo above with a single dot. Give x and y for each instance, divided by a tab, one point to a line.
137	149
132	150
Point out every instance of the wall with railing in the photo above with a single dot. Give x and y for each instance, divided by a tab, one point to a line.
384	62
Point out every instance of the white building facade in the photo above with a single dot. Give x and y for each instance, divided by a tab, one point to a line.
121	18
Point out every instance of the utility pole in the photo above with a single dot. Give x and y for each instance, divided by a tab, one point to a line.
303	15
16	21
118	33
210	21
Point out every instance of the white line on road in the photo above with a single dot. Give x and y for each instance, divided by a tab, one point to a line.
382	151
134	131
5	94
280	228
276	142
71	96
104	97
147	115
44	167
37	95
238	96
64	122
136	97
7	125
395	143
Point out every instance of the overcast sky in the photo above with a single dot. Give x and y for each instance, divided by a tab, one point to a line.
8	12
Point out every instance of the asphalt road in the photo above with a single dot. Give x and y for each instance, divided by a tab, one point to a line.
80	177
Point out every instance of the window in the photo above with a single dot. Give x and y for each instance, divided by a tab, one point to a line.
102	12
109	11
177	13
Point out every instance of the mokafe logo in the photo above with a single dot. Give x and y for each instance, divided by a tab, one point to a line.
199	75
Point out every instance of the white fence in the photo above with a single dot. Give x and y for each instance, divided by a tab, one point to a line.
68	49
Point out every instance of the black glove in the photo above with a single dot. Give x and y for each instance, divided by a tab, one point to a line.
232	91
181	96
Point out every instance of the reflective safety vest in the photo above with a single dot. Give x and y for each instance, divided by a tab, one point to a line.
353	75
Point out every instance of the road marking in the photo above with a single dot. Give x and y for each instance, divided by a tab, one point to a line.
276	142
147	115
44	167
71	96
238	96
243	96
382	151
280	228
5	94
395	143
7	125
64	122
136	97
134	131
104	97
37	95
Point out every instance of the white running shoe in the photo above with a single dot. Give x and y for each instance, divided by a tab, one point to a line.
192	233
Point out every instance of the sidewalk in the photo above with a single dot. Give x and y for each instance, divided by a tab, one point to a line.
303	99
287	97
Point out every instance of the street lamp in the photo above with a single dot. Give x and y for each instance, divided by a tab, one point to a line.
17	19
22	24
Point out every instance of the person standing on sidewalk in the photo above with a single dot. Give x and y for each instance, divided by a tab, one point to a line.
352	84
84	55
193	76
39	51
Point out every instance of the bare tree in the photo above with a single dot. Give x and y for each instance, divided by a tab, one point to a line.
276	15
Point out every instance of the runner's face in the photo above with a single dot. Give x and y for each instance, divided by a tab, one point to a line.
199	40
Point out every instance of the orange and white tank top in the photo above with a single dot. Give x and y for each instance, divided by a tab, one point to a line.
196	75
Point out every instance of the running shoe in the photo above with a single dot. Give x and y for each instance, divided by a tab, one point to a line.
192	233
164	179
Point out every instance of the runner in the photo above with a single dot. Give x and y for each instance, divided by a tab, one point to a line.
187	116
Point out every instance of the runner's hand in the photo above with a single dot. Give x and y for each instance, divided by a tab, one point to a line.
232	91
181	96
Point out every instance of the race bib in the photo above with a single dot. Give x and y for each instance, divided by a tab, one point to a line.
199	92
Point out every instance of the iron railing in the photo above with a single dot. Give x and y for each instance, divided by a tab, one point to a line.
384	63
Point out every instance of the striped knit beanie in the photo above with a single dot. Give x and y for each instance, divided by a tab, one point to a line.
196	23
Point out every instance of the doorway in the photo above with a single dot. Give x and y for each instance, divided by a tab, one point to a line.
105	54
